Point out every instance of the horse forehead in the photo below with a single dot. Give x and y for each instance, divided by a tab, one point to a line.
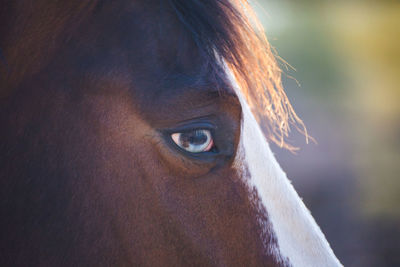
147	43
146	33
152	34
151	50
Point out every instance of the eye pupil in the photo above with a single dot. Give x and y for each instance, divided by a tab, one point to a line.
197	137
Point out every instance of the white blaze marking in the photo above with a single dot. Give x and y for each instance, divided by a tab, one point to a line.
298	236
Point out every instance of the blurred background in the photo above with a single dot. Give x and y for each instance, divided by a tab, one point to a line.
346	57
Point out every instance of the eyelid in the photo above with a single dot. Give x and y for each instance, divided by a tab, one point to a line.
189	126
192	126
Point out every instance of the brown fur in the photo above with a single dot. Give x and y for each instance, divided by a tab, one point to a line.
88	174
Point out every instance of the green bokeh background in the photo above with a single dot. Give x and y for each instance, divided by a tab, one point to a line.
346	57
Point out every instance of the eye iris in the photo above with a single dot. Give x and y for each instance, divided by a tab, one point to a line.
195	141
195	138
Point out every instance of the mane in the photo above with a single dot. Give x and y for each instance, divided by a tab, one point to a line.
229	31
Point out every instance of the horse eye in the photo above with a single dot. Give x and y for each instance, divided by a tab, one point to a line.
195	141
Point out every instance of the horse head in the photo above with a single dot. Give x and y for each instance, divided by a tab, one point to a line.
130	136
